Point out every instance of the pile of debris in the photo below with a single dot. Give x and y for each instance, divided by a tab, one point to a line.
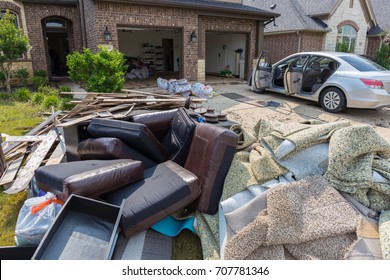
44	145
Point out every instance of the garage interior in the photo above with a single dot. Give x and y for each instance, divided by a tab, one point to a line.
225	52
151	53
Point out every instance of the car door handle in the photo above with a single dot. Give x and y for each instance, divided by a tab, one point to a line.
296	81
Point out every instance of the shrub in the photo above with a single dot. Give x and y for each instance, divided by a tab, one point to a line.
382	56
40	73
4	95
38	98
51	101
65	104
48	90
22	94
39	81
65	89
22	75
2	78
102	71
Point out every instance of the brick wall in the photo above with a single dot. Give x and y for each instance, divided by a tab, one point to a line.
90	27
312	41
27	64
281	45
114	14
35	13
373	44
231	25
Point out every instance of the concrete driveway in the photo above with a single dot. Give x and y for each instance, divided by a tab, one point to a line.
243	106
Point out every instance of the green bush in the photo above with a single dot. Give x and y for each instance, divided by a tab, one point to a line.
4	95
38	98
382	56
22	94
2	78
65	89
48	90
22	75
39	81
40	73
102	71
65	104
51	101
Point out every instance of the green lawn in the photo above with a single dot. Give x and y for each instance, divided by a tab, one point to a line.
16	118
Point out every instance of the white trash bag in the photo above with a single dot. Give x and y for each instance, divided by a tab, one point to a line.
35	217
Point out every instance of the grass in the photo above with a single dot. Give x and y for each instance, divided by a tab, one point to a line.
16	118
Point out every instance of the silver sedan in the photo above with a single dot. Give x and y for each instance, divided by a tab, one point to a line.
335	80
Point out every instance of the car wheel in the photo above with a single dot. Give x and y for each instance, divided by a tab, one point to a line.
333	100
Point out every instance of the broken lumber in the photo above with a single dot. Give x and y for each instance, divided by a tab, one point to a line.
27	172
11	171
24	138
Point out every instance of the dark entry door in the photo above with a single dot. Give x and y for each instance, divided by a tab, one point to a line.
58	49
168	54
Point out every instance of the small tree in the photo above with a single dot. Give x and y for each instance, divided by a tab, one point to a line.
13	44
102	71
382	56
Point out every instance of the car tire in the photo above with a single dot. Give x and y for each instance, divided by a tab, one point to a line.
333	100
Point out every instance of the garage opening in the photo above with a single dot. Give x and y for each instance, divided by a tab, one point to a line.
225	55
151	53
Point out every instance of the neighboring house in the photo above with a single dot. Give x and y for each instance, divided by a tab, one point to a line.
191	37
311	25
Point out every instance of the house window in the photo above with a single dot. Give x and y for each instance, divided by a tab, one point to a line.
55	23
2	13
351	3
346	39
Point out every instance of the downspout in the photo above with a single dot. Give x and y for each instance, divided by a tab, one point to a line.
299	41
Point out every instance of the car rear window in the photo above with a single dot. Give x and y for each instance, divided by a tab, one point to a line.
362	64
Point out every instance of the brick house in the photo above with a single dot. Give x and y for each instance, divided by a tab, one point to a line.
308	25
191	37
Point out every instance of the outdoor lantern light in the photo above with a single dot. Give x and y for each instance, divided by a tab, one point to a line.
193	37
107	35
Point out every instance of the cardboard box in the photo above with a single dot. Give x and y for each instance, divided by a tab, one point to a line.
85	229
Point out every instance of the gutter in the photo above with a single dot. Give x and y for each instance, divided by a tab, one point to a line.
299	40
204	9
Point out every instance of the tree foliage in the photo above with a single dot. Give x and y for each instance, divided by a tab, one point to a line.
13	44
382	56
102	71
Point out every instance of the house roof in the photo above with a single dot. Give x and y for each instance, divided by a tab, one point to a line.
67	2
295	14
381	10
208	6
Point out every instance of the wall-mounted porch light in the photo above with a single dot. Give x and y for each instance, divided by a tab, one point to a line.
193	37
107	35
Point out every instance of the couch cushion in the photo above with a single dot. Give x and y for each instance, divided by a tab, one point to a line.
210	156
90	178
135	135
166	188
178	139
111	148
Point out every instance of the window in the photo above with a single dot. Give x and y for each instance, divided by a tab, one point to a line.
362	64
351	4
2	12
346	39
55	23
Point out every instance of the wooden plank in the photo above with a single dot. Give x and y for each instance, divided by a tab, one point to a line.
25	138
58	154
27	173
156	100
150	93
11	171
3	163
78	120
35	131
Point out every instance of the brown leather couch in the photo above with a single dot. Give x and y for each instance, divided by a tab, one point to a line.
166	186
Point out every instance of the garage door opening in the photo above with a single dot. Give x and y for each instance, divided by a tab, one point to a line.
151	53
225	55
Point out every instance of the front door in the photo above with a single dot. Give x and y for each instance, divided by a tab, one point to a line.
262	75
58	49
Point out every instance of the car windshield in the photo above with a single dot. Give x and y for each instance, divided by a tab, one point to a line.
362	64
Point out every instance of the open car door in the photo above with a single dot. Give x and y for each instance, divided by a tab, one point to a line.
262	74
293	76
